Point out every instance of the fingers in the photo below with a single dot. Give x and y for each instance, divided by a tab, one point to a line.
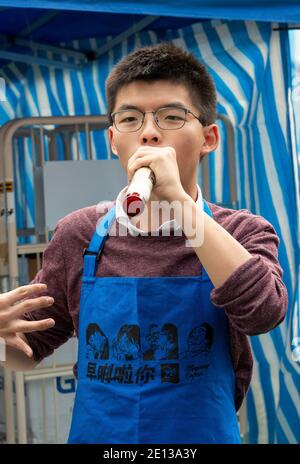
20	293
26	307
16	342
138	163
14	304
149	156
138	155
27	326
152	151
32	326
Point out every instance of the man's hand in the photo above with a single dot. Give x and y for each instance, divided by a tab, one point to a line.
162	161
16	303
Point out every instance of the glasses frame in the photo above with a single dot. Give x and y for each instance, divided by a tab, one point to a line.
113	115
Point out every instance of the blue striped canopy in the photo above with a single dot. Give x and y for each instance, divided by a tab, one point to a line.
259	10
249	62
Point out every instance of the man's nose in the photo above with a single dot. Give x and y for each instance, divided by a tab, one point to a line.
150	131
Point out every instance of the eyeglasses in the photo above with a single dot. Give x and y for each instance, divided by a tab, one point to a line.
167	118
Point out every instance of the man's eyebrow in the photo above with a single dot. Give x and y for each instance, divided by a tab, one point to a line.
127	106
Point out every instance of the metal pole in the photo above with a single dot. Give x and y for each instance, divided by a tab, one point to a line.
21	408
9	407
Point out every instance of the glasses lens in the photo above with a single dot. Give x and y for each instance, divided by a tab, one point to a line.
128	121
170	118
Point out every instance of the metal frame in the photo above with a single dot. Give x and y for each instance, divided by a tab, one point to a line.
124	35
35	46
7	133
29	59
12	56
80	57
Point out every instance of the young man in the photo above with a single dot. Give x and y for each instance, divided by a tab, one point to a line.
173	315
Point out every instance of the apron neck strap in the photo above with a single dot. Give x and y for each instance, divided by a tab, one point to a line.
92	254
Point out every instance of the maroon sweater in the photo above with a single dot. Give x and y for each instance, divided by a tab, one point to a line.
254	297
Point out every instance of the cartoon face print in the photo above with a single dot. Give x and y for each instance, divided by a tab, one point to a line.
96	342
153	336
199	342
163	343
196	338
127	345
168	342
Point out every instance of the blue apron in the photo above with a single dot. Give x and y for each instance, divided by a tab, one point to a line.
154	362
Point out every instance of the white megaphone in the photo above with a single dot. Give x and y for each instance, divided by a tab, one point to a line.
139	191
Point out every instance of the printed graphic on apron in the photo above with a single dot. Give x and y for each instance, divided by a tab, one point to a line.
199	344
161	344
127	345
97	343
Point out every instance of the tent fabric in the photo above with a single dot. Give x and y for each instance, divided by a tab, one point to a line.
266	10
295	117
81	24
248	63
39	20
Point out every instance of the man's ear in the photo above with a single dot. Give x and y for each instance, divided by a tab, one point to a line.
111	141
211	139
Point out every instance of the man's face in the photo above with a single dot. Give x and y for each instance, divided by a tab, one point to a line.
187	141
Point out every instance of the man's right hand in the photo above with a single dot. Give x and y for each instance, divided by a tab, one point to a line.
13	305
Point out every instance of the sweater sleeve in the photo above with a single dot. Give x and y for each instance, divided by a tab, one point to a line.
254	296
53	273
